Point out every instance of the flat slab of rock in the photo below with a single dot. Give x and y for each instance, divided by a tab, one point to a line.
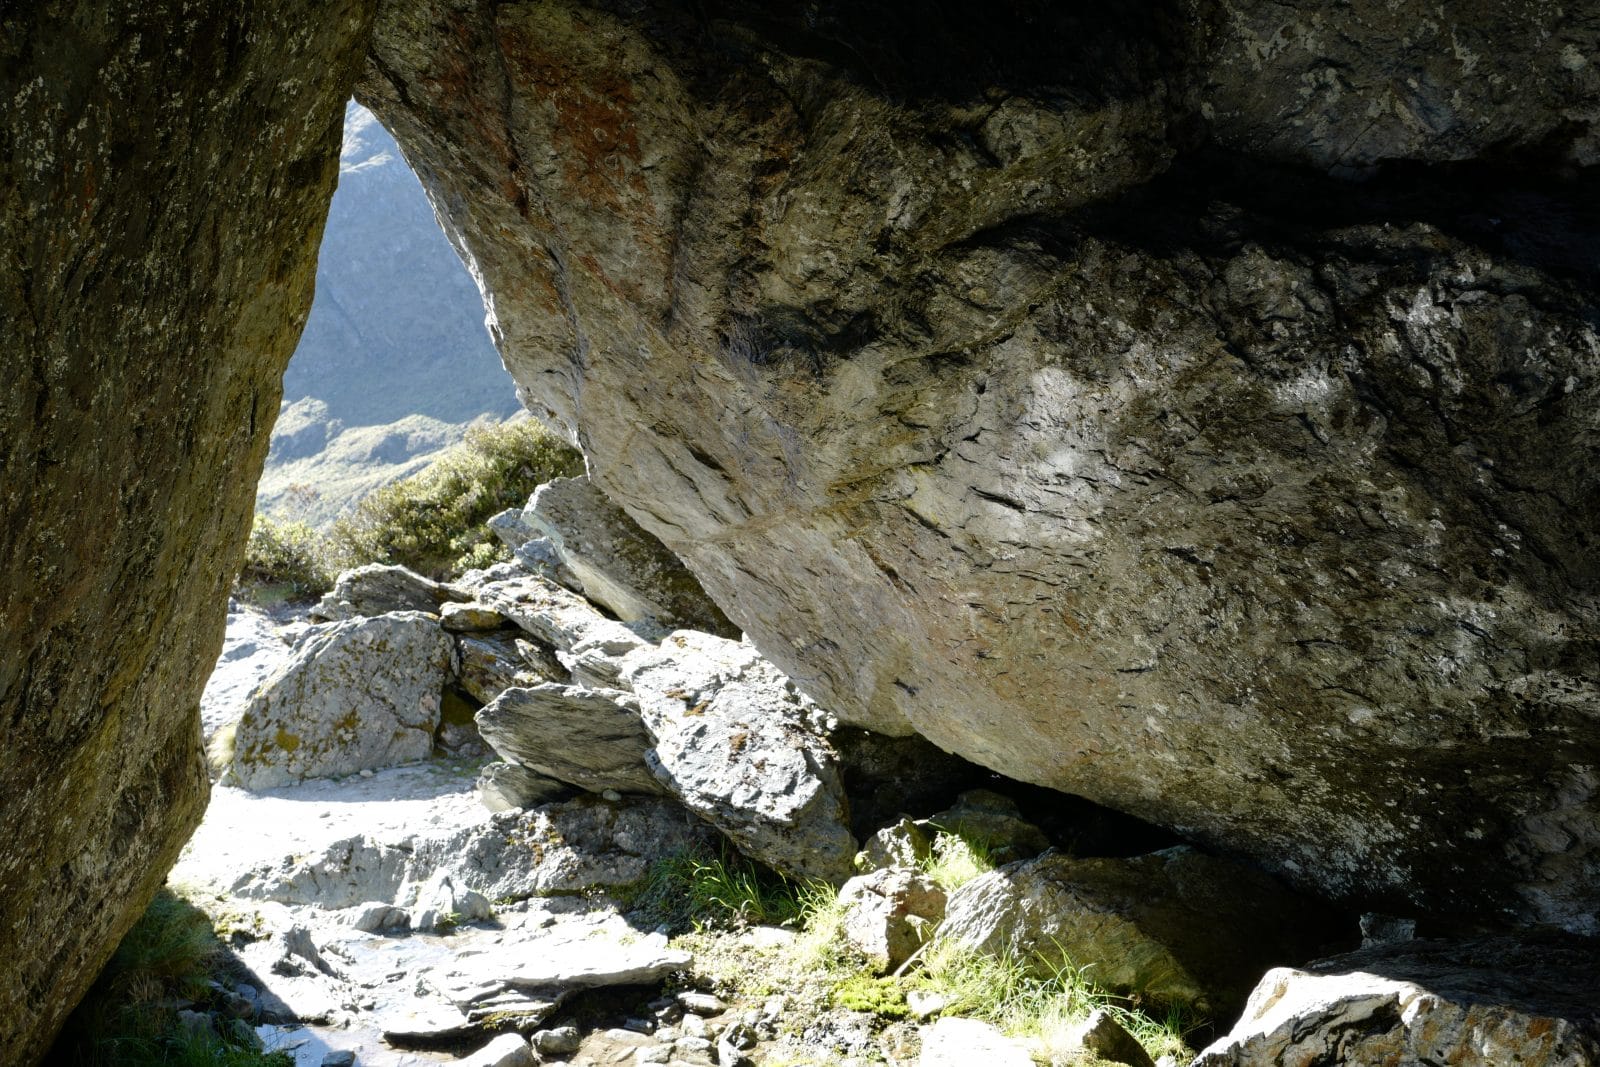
590	738
553	966
955	1042
1175	926
1530	998
735	741
506	786
355	695
621	565
587	643
380	588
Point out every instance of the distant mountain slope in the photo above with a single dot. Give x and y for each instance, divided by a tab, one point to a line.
394	362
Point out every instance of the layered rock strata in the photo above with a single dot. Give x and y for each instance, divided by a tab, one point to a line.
1042	381
164	176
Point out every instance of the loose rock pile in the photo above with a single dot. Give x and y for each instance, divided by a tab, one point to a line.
620	745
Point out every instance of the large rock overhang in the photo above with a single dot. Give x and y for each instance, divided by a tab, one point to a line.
1180	405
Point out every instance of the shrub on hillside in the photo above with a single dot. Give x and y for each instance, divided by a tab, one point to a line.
433	521
284	560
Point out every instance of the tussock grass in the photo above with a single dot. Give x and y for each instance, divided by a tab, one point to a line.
1003	990
708	890
956	860
129	1017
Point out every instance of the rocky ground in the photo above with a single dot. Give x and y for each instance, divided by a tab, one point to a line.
515	819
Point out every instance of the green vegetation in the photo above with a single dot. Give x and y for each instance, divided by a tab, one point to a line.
703	890
1002	990
433	521
129	1018
956	860
880	996
284	561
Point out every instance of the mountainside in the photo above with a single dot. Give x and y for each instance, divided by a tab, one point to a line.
394	362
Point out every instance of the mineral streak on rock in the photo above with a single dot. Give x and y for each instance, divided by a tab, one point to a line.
164	175
1037	380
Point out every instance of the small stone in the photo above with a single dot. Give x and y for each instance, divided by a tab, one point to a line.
507	1050
1105	1037
559	1041
925	1005
611	795
693	1026
701	1003
623	1036
465	618
339	1058
653	1054
366	772
639	1026
693	1046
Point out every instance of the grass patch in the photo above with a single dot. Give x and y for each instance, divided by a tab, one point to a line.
129	1016
1002	990
708	890
433	521
880	996
956	860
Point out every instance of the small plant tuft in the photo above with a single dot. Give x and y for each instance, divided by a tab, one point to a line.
956	860
880	996
702	890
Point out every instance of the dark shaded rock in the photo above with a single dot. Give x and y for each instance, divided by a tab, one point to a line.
622	567
379	588
888	777
503	786
995	408
1175	927
1103	1036
991	823
1529	998
587	737
164	180
491	663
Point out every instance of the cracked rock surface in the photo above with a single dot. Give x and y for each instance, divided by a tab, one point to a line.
1045	382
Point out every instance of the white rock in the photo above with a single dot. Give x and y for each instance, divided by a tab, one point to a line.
952	1042
355	695
507	1050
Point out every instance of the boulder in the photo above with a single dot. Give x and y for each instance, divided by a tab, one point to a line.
587	643
590	738
507	1050
956	1042
992	824
380	588
890	913
1175	927
159	212
737	743
622	567
356	695
1209	485
504	786
469	618
905	844
490	663
442	904
1528	998
1102	1036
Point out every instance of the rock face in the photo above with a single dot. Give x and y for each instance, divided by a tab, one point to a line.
1036	380
1498	1000
622	567
1175	926
163	185
357	695
733	739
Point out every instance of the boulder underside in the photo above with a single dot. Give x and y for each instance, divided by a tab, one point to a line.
1181	404
164	178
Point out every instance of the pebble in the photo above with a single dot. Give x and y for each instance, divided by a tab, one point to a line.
561	1041
702	1003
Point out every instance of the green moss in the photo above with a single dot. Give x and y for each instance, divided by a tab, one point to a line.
880	996
287	741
